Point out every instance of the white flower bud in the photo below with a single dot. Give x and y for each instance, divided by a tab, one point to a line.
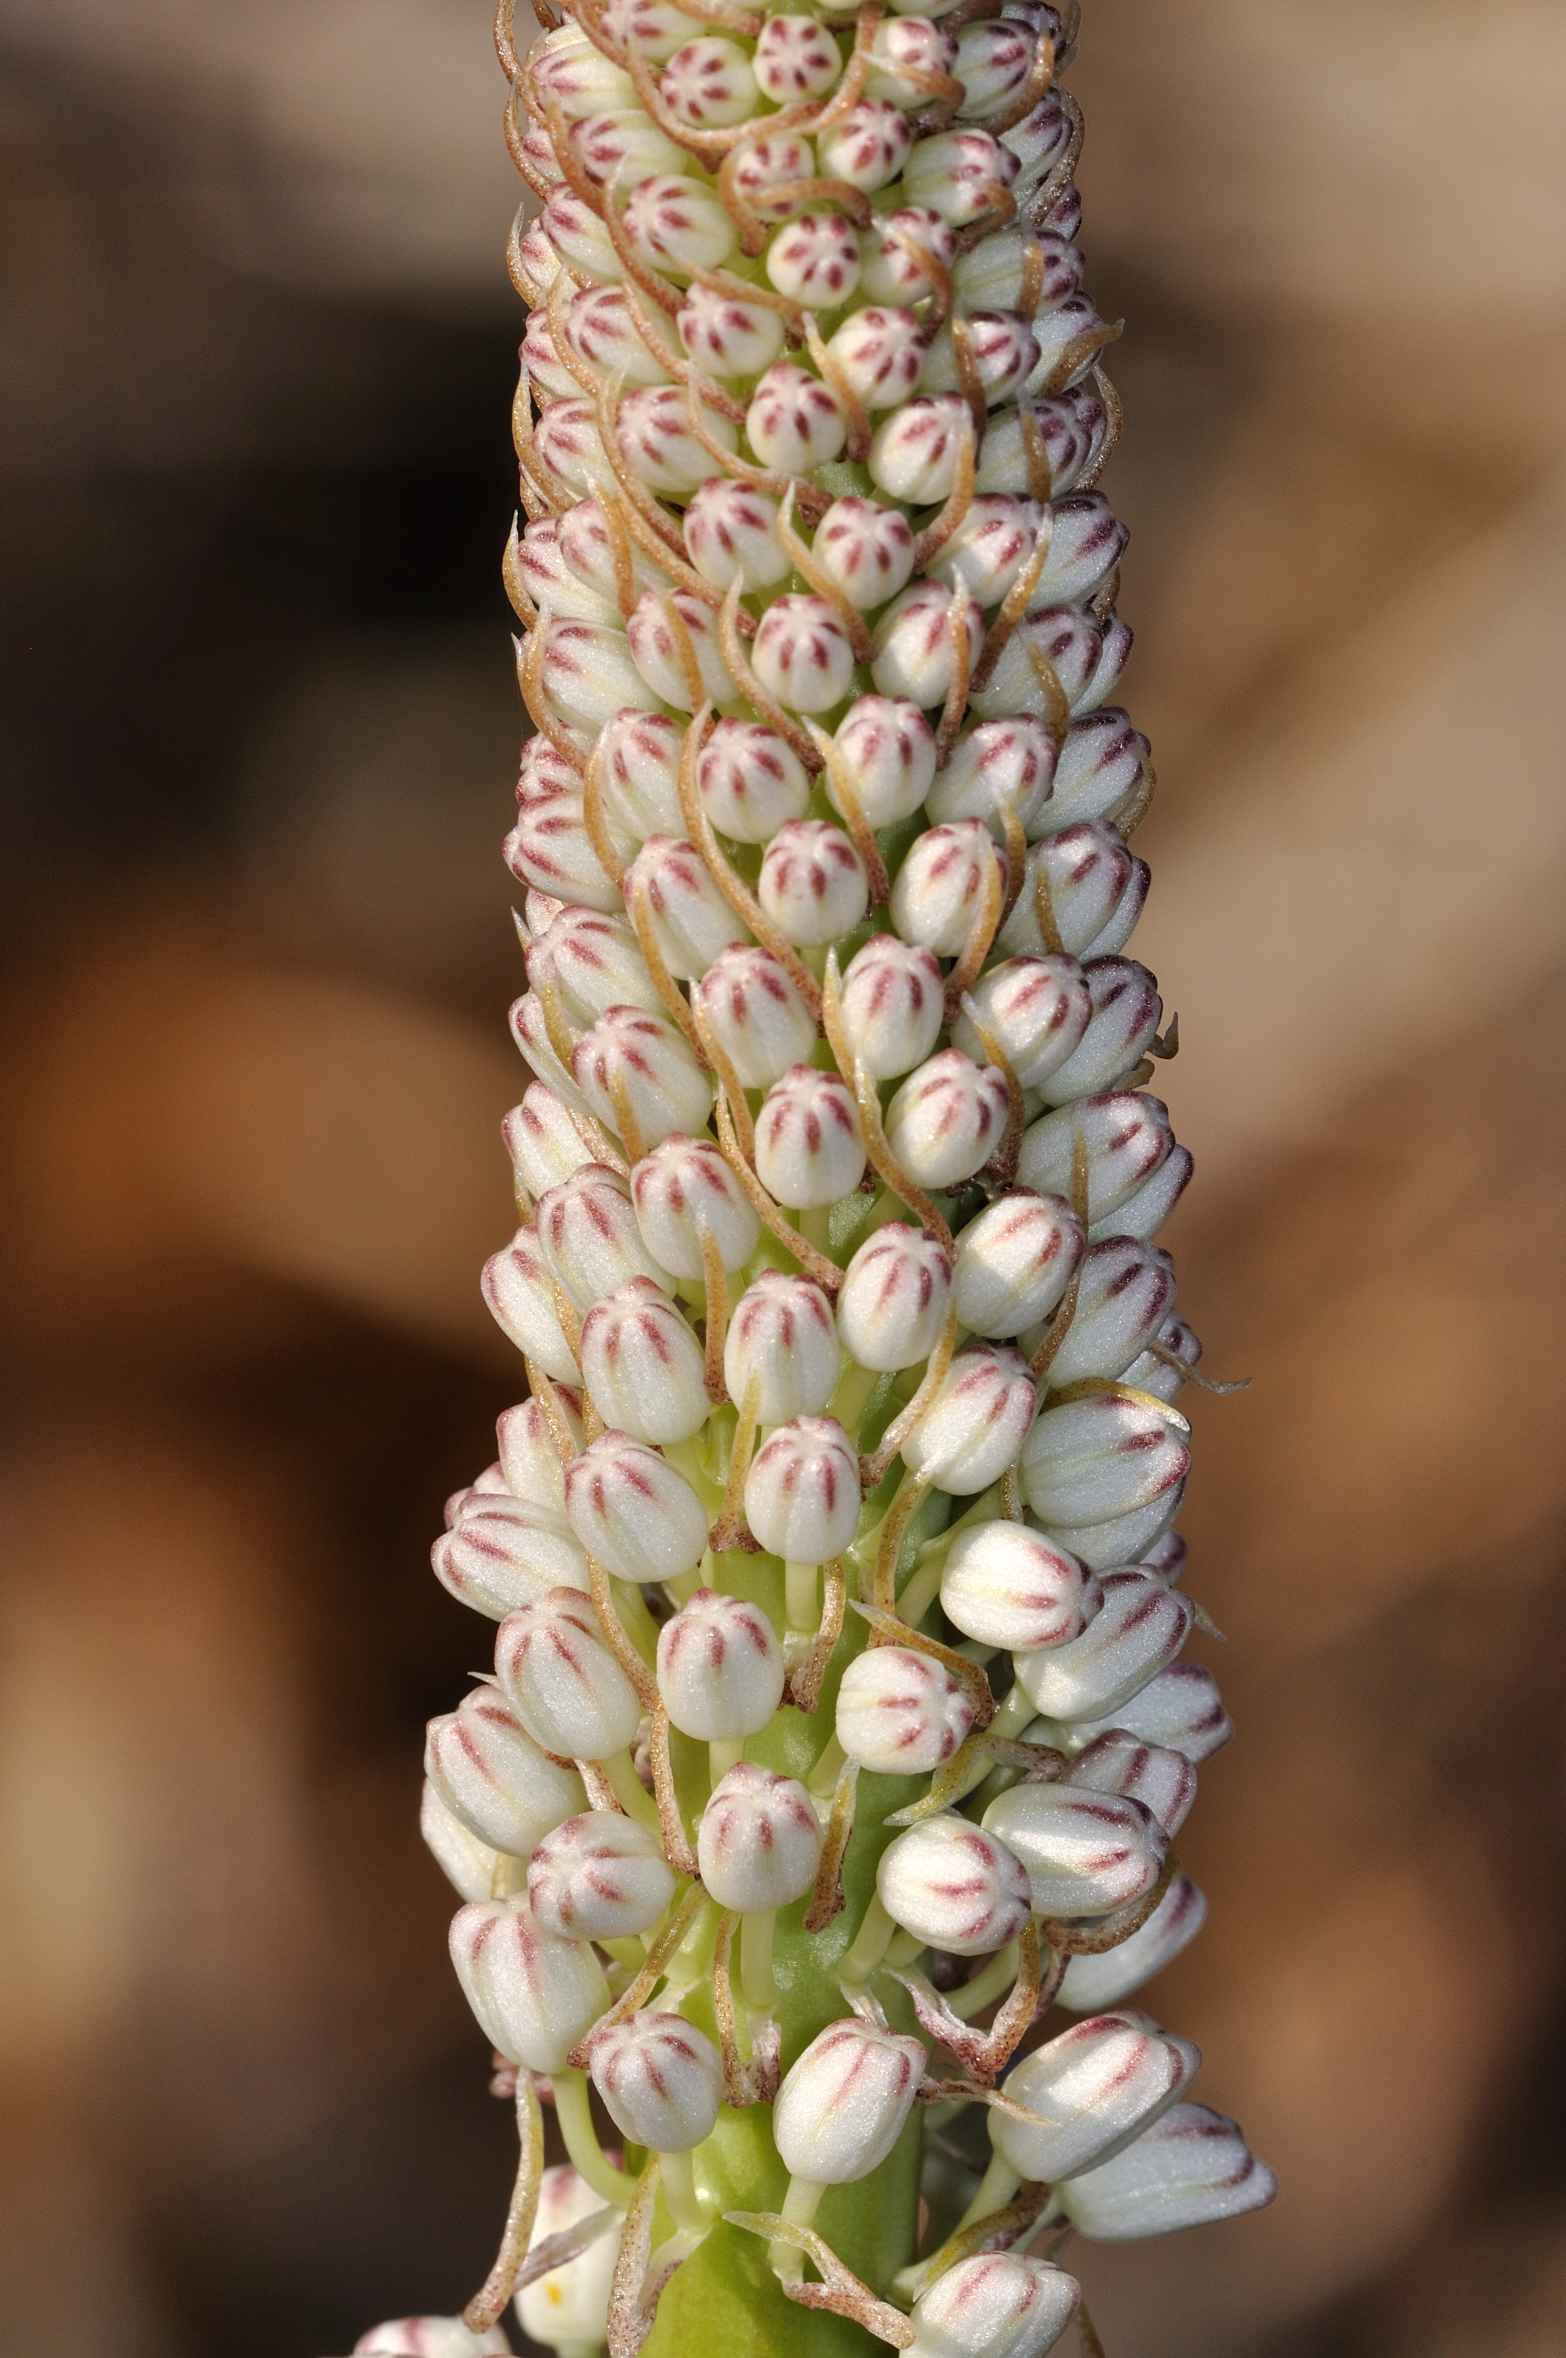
1137	1632
633	1512
757	1014
568	2306
751	780
796	57
729	338
1070	432
661	2080
815	261
913	452
533	1995
549	848
720	1667
906	50
683	1191
579	78
601	329
952	1885
1142	1215
1092	1983
590	1238
813	884
599	1876
867	146
892	1005
493	1778
947	1119
1035	1010
537	264
677	225
1127	1011
808	1149
1039	142
887	750
640	1061
666	625
802	1491
577	233
1001	350
900	1712
782	1338
939	891
843	2104
529	1458
1181	1708
1095	889
730	533
1005	1585
471	1867
559	1677
961	175
1163	1781
543	1142
552	582
913	651
794	422
994	61
975	1425
990	547
594	963
491	1483
1126	1136
654	28
1104	1471
893	1303
642	1365
1003	2304
516	1290
1124	1293
639	761
759	1841
428	2337
991	275
531	1033
1101	767
1167	1557
767	170
709	82
1191	2167
1095	2087
1085	1853
879	351
866	550
1015	1260
801	654
655	435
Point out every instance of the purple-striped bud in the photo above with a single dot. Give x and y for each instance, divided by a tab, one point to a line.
493	1778
1000	350
1034	1009
1095	892
1127	1011
879	354
501	1552
589	671
1001	2304
795	57
1189	2169
554	585
576	231
579	78
752	781
1102	766
1094	2088
531	1034
1086	1853
868	146
599	1876
600	328
661	2080
654	28
729	338
642	1365
782	1338
1093	1982
594	963
568	2307
759	1841
757	1014
953	1886
947	1119
802	1491
814	260
905	51
1124	1292
994	61
678	226
1167	1557
843	2104
886	749
474	1870
684	1191
1137	1632
813	884
892	1005
893	1303
537	264
542	1140
989	548
720	1667
1086	656
802	654
731	535
639	763
794	422
529	1454
1144	1213
634	1063
549	850
428	2337
1005	1585
559	1677
1015	1260
808	1149
961	175
677	647
654	428
914	451
940	889
767	170
865	550
709	82
1069	434
1180	1708
632	1512
995	275
1105	1476
533	1995
914	649
1163	1781
1125	1136
590	1240
977	1422
900	1712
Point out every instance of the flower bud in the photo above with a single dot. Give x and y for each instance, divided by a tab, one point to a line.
995	274
559	1677
905	51
590	1238
639	764
1094	1982
814	260
767	169
900	1712
579	78
1144	1213
757	1014
1167	1557
589	670
1005	1585
802	1491
537	264
886	752
782	1337
661	2080
692	921
940	889
975	1425
752	781
990	547
1191	2167
802	654
1035	1010
683	1191
549	850
808	1149
599	1876
867	146
794	423
1125	1136
1163	1781
493	1778
843	2104
1124	1291
600	328
428	2337
728	338
576	231
1085	1853
654	432
1015	1260
1095	2087
1181	1708
879	353
1103	763
914	450
531	1034
543	1142
895	1293
1095	892
642	1366
669	631
952	1885
1102	1472
1000	349
994	61
720	1668
568	2306
678	226
759	1841
1126	1014
914	649
961	175
709	82
947	1119
1003	766
491	1483
892	1005
471	1867
594	963
632	1512
813	884
1003	2304
501	1552
796	57
552	583
1071	433
636	1062
865	550
1039	141
529	1458
533	1995
1138	1630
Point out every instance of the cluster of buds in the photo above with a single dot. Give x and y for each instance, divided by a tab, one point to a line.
839	1730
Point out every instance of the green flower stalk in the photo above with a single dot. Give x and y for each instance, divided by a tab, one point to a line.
814	1830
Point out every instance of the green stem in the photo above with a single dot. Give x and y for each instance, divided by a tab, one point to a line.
574	2112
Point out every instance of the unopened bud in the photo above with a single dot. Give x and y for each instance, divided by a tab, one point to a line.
939	893
865	550
1137	1632
492	1776
895	1293
960	175
594	963
642	1365
1163	1781
808	1149
815	261
915	449
1188	2169
759	1841
757	1014
632	1512
1000	352
1003	1584
728	338
516	1288
751	780
879	352
915	648
661	2080
794	422
720	1667
1125	1135
639	763
531	1033
1181	1708
867	146
900	1712
655	436
589	1235
952	1885
795	57
559	1677
638	1063
1015	1260
767	170
428	2337
802	654
994	61
1105	1474
947	1119
1094	1982
500	1552
533	1995
474	1870
1124	1023
708	82
813	884
1144	1213
843	2104
782	1338
1124	1292
988	550
1094	2088
886	753
691	920
1070	432
529	1454
599	1876
1085	1853
892	1005
976	1424
993	275
802	1491
550	851
669	631
905	51
1034	1009
1092	887
542	1140
678	226
1003	2304
684	1191
568	2307
1003	767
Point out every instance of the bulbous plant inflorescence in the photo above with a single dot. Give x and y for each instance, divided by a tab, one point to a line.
816	1825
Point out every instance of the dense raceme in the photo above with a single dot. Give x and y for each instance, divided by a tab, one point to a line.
821	1804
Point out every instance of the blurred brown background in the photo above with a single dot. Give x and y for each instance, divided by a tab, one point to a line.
257	961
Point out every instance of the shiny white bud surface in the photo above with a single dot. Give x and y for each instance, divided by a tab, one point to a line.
1092	1983
998	2304
752	782
759	1841
599	1876
720	1667
1015	1260
947	1119
493	1778
500	1552
757	1015
638	1063
843	2104
1086	1853
568	2305
589	1236
532	1994
954	1886
684	1190
633	1512
1035	1010
1189	2169
783	1338
802	1491
660	2078
1125	1291
813	884
808	1149
559	1677
892	1005
1004	1584
894	1299
642	1365
515	1286
1095	2087
1139	1628
900	1712
976	1424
